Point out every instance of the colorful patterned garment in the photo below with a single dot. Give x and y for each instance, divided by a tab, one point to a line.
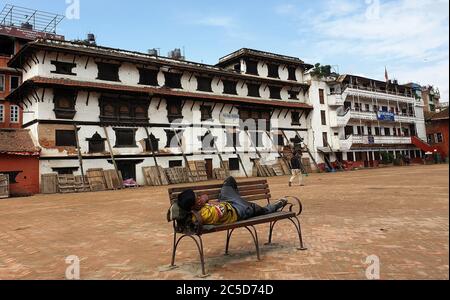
218	214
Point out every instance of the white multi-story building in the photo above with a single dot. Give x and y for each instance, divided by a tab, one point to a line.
356	119
139	102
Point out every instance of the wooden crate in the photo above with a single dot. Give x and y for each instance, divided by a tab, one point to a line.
49	183
66	184
96	179
200	166
4	186
278	170
220	174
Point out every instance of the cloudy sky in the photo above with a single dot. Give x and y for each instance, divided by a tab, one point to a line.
409	37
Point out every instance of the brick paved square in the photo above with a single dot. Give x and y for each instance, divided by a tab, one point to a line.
398	214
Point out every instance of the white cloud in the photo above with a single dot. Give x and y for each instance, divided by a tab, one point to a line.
411	36
218	21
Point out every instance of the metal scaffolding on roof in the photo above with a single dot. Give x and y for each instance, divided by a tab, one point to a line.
29	19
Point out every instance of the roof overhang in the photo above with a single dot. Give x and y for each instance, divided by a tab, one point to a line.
21	92
139	58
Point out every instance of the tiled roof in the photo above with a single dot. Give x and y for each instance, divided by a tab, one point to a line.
154	91
442	115
17	142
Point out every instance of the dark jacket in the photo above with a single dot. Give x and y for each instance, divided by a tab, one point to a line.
295	163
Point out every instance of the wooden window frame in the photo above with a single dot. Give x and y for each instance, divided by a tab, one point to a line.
230	87
59	137
254	90
63	68
273	71
61	112
148	77
103	72
275	92
234	164
173	80
125	130
204	84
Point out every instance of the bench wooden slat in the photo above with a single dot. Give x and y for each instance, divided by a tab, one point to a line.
215	186
251	222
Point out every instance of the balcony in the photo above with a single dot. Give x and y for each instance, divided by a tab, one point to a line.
378	94
335	99
343	117
347	144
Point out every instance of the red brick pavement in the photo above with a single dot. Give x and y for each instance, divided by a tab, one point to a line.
399	214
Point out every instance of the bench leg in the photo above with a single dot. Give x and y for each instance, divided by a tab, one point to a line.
227	246
272	225
199	244
254	234
297	225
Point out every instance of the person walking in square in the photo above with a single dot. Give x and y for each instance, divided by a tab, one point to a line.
296	167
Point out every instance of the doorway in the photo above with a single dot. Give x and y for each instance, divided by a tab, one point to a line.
128	169
209	168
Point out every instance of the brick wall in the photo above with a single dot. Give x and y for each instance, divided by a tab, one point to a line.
28	178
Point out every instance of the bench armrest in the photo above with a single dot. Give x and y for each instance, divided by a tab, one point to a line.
291	205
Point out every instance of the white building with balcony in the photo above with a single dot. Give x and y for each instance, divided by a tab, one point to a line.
356	119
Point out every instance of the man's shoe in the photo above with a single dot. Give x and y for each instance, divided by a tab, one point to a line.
290	184
280	204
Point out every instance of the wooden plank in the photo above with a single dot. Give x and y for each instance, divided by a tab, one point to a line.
113	182
111	152
49	183
80	156
4	186
241	186
96	180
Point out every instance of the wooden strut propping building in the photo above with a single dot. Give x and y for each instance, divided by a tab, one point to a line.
91	107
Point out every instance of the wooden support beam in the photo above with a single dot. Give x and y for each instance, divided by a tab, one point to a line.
87	62
221	110
279	114
87	99
309	152
231	110
159	104
57	56
45	56
74	59
43	94
184	156
240	161
193	104
112	153
80	156
183	104
285	116
154	155
253	145
276	146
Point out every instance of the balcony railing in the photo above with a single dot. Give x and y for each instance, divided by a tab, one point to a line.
378	94
343	118
374	140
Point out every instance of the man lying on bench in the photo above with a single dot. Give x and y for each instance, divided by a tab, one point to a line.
230	207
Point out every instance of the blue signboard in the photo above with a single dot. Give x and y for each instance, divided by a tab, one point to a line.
386	116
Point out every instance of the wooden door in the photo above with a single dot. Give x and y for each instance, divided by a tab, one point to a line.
4	186
209	168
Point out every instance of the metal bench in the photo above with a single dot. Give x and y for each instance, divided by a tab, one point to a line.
250	191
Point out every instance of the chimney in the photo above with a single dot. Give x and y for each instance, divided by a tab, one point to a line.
176	54
91	39
153	52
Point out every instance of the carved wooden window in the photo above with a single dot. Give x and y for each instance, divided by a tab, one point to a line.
229	87
174	110
253	90
234	164
64	103
292	75
252	67
96	143
275	92
273	71
206	113
173	80
204	84
125	138
154	143
295	118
